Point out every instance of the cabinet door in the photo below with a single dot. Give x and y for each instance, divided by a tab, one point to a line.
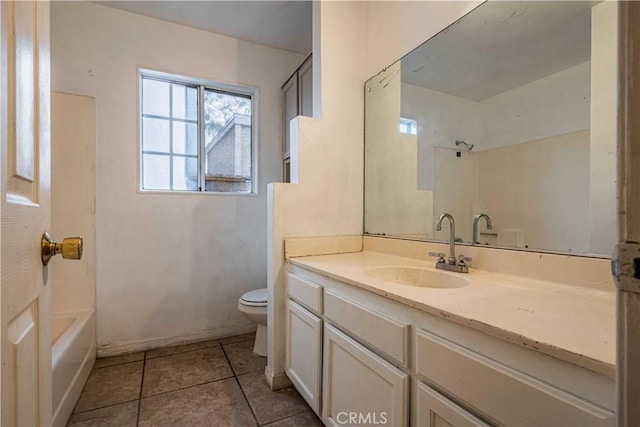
435	410
359	386
303	362
291	110
305	79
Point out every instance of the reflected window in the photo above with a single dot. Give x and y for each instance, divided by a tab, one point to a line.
408	126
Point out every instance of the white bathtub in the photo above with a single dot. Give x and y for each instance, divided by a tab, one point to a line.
73	354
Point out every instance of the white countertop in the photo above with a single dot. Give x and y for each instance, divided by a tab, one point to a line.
570	323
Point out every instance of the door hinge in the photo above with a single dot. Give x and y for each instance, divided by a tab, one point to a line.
625	267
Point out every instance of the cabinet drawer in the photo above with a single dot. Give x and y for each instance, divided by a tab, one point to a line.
305	292
502	393
385	334
435	410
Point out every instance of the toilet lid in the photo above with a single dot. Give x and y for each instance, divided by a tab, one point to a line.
258	296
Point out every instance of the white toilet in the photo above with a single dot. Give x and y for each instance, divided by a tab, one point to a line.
254	305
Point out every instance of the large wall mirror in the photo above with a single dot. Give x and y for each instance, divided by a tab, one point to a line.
510	112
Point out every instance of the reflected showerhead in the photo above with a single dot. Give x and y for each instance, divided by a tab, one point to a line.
467	145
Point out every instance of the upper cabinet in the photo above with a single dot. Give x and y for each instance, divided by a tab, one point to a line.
298	101
305	91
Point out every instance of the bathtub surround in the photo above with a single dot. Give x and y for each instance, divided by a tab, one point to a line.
151	294
350	44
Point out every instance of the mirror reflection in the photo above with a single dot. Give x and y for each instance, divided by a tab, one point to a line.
508	117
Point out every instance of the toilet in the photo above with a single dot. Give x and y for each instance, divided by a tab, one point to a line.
253	304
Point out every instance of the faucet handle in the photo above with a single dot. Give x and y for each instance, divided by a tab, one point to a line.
440	256
463	260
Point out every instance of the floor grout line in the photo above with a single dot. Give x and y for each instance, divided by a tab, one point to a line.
246	399
187	387
144	365
102	407
182	352
287	417
116	364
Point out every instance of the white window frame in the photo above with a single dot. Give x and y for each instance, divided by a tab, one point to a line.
202	84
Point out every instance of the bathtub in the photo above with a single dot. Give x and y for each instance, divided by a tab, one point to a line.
73	353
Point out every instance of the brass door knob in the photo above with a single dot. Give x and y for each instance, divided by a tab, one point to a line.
70	248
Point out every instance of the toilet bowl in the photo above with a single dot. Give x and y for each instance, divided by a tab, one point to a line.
253	304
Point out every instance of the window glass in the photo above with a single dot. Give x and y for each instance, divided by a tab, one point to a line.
228	157
156	172
155	134
185	138
155	97
185	173
185	102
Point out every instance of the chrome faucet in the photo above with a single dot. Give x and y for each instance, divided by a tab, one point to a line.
452	235
452	264
476	218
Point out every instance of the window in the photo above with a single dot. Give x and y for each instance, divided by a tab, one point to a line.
408	126
195	135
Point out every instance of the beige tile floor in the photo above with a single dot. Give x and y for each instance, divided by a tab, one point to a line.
209	383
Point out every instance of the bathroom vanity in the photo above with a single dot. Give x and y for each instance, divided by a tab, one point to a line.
392	341
504	116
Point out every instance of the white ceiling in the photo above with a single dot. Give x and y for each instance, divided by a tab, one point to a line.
502	45
280	24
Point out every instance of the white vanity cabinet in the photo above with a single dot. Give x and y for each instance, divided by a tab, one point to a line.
304	349
303	363
383	362
435	410
506	395
360	387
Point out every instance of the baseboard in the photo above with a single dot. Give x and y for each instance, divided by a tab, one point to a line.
210	334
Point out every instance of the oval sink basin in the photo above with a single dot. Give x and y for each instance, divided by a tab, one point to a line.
416	276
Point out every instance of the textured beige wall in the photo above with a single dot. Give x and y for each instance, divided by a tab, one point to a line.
604	98
73	190
326	158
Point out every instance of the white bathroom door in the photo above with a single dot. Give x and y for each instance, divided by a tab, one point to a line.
25	345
